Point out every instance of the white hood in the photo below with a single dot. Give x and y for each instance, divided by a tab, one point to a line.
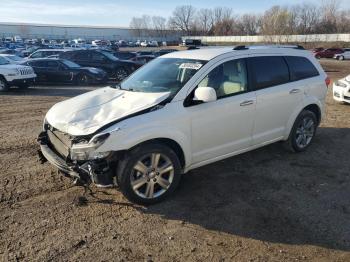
85	114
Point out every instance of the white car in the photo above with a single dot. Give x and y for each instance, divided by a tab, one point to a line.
15	75
343	56
185	110
341	90
13	59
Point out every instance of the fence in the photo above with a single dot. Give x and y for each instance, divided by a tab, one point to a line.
273	38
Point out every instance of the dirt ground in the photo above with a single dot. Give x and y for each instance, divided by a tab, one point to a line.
265	205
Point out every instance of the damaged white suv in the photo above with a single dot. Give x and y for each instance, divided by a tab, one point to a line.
182	111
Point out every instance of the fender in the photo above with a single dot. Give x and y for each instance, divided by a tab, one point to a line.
124	139
308	100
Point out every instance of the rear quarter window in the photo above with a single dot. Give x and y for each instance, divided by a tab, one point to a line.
300	68
268	71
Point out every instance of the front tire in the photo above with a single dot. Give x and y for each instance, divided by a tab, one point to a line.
341	58
303	132
149	173
3	84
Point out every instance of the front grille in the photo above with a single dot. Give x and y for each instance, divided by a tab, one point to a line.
25	71
60	142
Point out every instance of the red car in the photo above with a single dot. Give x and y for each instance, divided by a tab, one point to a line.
328	53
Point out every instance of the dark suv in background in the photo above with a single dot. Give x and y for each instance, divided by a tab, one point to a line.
115	68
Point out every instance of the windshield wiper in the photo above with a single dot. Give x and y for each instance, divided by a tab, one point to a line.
120	88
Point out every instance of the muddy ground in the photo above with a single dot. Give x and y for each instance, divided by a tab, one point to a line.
265	205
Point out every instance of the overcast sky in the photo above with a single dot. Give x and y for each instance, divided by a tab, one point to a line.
118	13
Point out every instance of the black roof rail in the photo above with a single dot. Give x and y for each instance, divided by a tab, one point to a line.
240	47
243	47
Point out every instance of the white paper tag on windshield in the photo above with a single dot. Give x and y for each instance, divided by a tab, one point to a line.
194	66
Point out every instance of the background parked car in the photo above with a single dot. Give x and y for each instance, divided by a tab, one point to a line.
143	59
115	68
15	75
53	70
42	53
343	56
12	59
328	53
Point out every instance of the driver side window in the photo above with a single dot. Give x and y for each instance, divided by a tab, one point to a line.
227	79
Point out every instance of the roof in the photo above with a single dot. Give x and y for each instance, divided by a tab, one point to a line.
208	53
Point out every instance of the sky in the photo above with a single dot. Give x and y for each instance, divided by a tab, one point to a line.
119	13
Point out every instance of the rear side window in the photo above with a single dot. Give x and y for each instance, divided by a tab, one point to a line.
269	71
300	68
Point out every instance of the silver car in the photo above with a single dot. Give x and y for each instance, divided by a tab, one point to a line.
343	56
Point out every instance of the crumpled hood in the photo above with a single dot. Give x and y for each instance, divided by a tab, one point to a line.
85	114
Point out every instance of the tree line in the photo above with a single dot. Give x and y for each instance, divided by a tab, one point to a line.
307	18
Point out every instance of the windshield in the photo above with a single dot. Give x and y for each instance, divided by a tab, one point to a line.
162	75
70	64
3	61
109	55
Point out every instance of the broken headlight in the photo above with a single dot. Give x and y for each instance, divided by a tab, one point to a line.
87	150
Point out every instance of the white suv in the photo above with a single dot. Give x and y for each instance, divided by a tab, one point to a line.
182	111
15	75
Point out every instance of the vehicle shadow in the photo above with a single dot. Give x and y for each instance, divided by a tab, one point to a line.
272	195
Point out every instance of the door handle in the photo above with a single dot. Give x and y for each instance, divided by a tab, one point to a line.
294	91
247	103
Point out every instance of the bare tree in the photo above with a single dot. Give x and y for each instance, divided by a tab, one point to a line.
204	20
141	25
183	18
250	24
159	26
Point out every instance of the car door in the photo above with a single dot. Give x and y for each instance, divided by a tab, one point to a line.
276	97
64	74
39	68
224	126
53	71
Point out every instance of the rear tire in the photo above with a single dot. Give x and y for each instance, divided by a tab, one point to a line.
341	58
149	173
3	84
303	132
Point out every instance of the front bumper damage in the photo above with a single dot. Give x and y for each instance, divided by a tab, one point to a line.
86	172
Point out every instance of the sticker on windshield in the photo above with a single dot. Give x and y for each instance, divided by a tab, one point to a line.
194	66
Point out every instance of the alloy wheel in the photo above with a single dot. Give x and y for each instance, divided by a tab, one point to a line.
152	175
121	74
305	132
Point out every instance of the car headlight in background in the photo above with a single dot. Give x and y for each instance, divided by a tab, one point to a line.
86	151
338	83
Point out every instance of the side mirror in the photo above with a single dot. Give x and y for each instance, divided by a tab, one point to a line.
205	94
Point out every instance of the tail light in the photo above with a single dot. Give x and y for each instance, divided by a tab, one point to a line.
327	81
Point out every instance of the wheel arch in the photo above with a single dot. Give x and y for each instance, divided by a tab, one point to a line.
172	144
313	106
